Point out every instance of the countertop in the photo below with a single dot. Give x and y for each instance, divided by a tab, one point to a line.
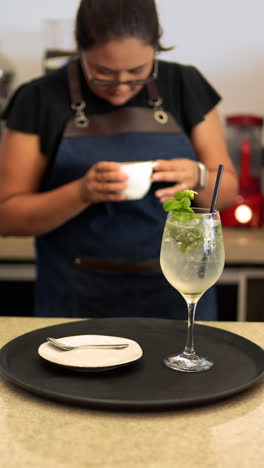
39	433
242	246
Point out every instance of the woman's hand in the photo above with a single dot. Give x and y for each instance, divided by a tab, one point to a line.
183	172
103	182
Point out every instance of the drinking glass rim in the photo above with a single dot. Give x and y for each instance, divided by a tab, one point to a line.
206	210
202	211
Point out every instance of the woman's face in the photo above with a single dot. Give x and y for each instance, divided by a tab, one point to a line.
118	60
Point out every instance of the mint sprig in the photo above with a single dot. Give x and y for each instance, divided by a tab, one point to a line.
180	208
180	205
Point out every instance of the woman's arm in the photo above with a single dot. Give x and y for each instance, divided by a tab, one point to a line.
210	147
25	211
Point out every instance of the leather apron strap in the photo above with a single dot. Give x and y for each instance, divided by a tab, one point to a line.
146	266
74	81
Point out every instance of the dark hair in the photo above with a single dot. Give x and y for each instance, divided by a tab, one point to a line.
99	21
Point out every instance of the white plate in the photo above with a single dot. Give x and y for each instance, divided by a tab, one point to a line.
91	359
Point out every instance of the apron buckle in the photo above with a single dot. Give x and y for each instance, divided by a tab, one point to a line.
159	114
80	118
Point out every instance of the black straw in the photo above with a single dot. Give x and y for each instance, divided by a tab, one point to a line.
217	185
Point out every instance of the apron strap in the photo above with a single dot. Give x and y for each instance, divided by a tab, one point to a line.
77	102
155	101
74	81
153	92
145	266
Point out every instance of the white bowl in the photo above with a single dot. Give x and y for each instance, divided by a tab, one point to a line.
139	181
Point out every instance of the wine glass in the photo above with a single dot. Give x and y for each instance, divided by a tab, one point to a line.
192	259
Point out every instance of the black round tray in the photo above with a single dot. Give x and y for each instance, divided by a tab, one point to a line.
146	384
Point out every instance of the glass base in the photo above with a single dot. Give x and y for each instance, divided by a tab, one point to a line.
188	363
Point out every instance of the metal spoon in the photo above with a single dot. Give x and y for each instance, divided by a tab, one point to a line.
66	347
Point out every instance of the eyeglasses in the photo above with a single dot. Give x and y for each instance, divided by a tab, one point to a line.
132	83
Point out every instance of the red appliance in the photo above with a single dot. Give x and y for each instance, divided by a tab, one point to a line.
248	208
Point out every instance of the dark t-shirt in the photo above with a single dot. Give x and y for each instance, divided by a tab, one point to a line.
43	105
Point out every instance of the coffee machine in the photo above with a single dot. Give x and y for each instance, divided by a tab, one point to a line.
243	133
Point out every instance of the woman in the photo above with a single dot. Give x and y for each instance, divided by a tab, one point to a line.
60	176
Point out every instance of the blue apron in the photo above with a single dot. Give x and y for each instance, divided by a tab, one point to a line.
128	231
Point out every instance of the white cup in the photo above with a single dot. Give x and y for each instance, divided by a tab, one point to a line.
139	180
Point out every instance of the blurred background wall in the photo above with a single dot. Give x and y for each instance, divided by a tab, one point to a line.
224	39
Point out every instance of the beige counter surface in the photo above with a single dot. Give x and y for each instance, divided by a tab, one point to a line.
38	433
241	246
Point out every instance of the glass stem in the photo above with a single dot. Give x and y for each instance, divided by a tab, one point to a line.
189	347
